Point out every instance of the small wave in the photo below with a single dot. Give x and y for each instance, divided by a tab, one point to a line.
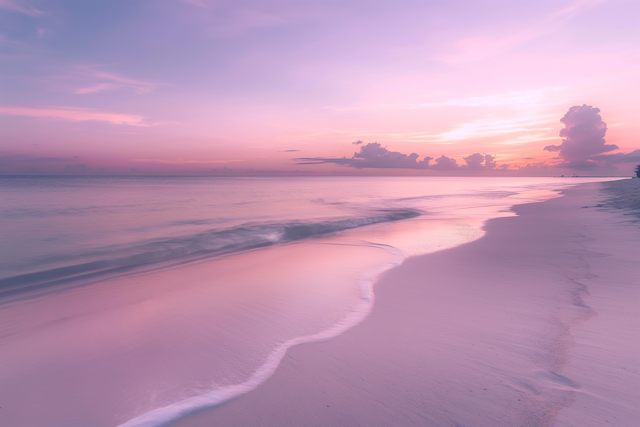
188	248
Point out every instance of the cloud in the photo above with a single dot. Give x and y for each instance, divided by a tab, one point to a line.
96	88
444	163
479	47
489	161
518	99
479	161
582	138
522	129
231	20
16	7
98	80
74	114
288	151
242	22
374	155
618	158
474	161
358	142
528	127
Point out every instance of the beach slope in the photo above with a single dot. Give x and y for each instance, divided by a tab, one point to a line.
534	324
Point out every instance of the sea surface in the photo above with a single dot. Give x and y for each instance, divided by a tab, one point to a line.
134	301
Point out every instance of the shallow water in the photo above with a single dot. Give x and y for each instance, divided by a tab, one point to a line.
124	296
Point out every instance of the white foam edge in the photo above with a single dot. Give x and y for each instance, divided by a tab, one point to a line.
168	414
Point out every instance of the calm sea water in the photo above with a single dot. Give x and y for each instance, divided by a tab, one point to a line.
136	300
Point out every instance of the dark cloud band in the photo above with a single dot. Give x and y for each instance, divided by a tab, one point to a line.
374	155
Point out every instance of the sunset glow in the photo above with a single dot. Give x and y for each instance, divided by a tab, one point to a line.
319	213
192	86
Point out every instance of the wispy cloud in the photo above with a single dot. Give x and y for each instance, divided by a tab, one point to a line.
74	114
14	6
570	11
519	130
523	99
241	22
9	42
487	128
480	48
518	99
230	19
93	80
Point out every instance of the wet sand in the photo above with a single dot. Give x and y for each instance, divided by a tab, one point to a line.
534	324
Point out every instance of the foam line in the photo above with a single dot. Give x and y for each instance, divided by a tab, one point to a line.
175	411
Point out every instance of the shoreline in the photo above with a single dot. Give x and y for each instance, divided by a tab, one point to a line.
480	334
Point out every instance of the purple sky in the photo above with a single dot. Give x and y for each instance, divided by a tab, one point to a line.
194	86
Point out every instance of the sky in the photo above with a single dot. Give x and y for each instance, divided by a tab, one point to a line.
401	87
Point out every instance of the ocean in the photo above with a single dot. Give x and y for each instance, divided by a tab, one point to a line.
133	301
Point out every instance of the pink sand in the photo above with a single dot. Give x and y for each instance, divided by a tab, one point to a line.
534	324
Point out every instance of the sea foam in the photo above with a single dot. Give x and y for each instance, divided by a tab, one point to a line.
175	411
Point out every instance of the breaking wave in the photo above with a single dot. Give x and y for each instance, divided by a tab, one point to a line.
180	249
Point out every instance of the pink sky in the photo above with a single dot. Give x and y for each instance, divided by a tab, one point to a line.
195	86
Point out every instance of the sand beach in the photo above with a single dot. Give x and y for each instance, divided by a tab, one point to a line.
534	324
319	213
